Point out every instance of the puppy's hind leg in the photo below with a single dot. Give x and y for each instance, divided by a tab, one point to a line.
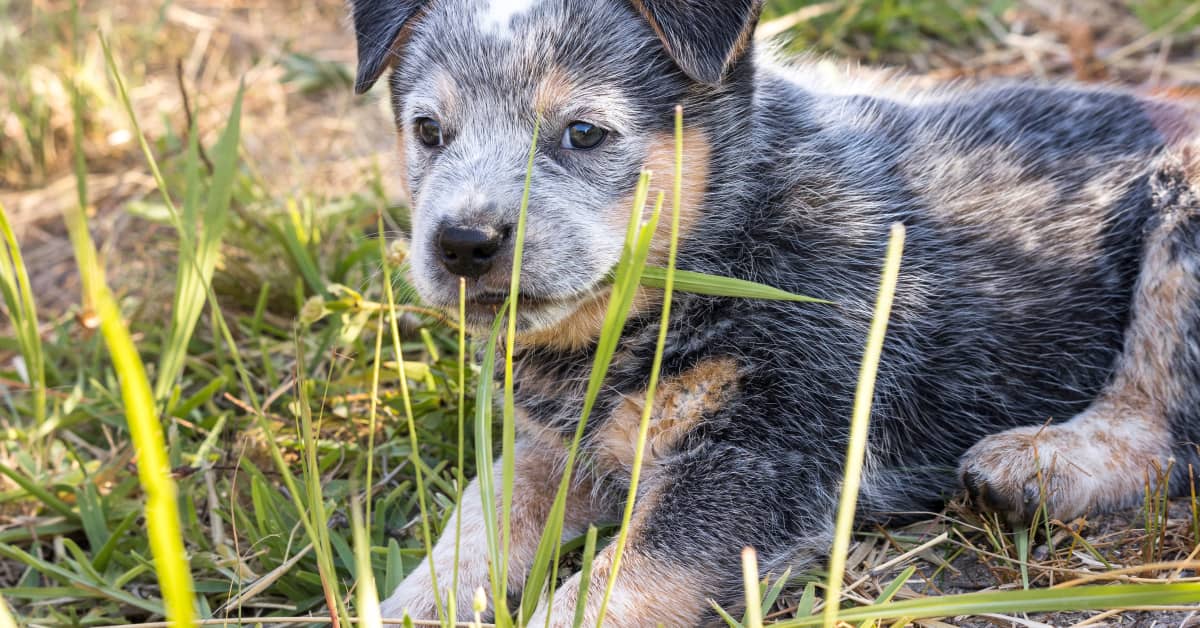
1149	411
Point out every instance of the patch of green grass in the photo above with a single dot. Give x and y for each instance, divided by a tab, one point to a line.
873	29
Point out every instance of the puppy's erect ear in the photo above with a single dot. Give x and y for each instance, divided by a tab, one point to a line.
704	37
378	25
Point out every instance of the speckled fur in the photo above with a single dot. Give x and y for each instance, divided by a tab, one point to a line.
1047	310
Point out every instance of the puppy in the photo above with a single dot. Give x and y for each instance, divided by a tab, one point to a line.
1045	339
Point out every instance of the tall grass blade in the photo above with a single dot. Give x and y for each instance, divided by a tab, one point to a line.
153	468
585	576
190	294
1091	597
857	447
413	439
701	283
625	285
656	363
248	387
315	512
459	478
754	618
483	460
368	612
509	425
18	298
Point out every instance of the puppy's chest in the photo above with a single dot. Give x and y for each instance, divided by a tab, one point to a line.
549	412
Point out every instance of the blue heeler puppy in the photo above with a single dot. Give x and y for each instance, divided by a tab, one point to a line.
1046	332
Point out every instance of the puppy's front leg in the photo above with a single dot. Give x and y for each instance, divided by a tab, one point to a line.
535	483
690	523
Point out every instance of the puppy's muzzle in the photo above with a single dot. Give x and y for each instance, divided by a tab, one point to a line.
470	251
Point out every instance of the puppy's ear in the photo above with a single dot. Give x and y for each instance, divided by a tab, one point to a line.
704	37
378	25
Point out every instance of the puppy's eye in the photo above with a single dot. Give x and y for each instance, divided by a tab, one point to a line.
581	135
429	131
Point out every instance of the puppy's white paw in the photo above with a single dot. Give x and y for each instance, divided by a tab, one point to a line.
413	597
1101	459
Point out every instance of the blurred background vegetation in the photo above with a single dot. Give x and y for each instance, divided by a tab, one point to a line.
316	170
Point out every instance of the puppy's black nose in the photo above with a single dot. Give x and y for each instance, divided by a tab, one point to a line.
469	252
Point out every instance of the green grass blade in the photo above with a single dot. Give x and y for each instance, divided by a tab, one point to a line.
459	478
509	424
701	283
623	290
248	386
754	617
585	576
190	293
18	297
857	447
890	591
1092	597
38	492
808	600
66	576
153	468
776	590
368	612
413	440
311	473
483	458
647	233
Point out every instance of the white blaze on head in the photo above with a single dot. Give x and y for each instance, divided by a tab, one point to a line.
496	15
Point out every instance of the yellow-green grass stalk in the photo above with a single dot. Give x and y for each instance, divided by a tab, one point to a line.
198	259
6	616
22	312
459	478
324	559
754	611
189	298
643	430
367	610
859	423
585	576
373	416
655	365
622	291
484	398
509	424
714	285
1091	597
311	472
413	439
153	467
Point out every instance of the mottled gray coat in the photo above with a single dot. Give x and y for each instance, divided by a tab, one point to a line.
1045	340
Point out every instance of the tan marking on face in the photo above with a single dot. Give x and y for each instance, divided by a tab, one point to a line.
445	90
553	90
660	161
680	404
582	327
